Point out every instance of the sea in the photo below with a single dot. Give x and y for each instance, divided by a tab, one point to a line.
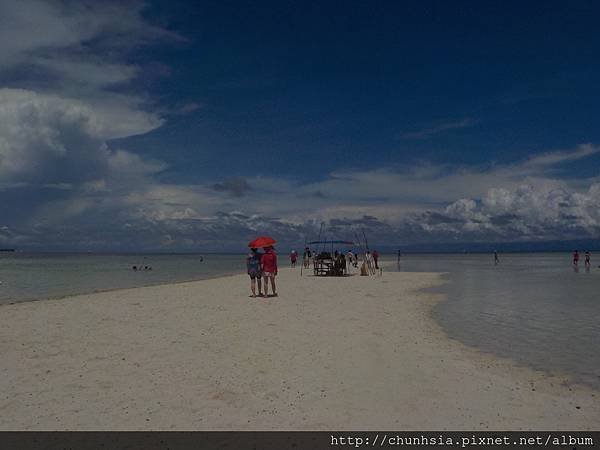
534	308
37	276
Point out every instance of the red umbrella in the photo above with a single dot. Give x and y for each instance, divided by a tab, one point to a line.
262	241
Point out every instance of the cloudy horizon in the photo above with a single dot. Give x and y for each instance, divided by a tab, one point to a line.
143	126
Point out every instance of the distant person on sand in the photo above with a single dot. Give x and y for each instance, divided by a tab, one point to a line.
496	259
253	267
293	257
340	264
588	263
399	256
306	257
576	257
363	268
376	258
369	260
349	260
268	263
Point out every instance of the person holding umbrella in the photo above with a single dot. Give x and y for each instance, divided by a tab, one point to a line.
268	262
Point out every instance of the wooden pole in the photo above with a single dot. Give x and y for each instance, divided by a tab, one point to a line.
303	252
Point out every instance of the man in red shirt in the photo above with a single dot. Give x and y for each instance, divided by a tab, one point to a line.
268	263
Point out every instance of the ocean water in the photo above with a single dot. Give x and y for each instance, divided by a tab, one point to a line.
36	276
533	308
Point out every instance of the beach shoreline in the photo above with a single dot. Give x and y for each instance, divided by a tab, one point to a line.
328	353
39	277
117	289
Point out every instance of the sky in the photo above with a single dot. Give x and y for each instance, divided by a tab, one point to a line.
196	126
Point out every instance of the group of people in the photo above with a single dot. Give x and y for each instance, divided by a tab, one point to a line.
342	262
576	257
306	257
262	267
351	258
587	255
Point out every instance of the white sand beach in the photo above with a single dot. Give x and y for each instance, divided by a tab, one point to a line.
328	353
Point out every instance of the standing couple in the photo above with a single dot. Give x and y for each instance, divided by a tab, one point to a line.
262	265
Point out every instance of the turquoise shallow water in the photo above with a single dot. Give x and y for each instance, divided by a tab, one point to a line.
37	276
533	308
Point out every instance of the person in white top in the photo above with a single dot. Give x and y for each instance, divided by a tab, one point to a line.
349	260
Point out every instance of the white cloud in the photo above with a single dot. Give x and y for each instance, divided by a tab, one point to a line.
187	108
524	213
409	205
59	145
49	139
77	51
425	186
553	158
439	128
68	55
51	27
55	158
88	71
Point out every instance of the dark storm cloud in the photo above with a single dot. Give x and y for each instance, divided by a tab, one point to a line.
436	218
503	219
236	186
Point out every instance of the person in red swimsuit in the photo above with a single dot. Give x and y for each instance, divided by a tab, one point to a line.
268	263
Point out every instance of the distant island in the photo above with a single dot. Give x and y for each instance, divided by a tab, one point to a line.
7	249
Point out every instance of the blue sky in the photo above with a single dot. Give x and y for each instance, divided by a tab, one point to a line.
196	125
375	84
